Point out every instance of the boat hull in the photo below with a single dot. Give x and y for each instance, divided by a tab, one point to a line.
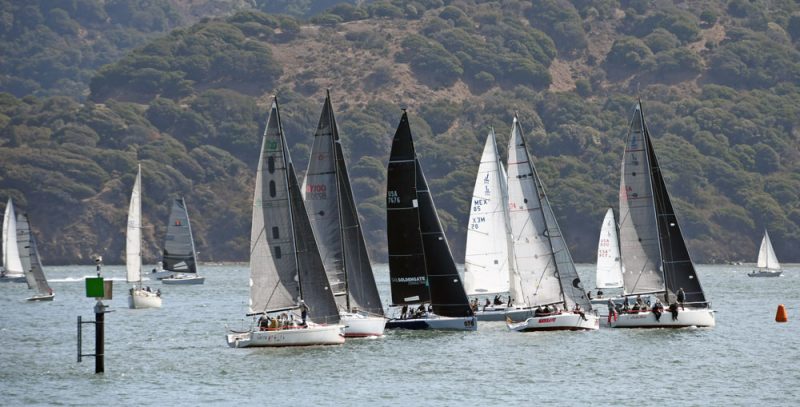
160	275
698	317
500	314
41	297
566	321
306	336
183	280
764	273
435	322
361	326
139	299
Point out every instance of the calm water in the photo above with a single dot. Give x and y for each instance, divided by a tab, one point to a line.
177	354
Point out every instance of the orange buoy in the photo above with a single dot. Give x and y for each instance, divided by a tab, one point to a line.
780	316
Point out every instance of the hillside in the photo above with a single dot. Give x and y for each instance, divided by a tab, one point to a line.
718	81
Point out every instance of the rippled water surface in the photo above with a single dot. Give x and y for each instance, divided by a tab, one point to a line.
177	354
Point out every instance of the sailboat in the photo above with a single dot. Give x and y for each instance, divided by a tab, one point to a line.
31	262
609	263
488	260
179	253
655	259
332	211
138	297
768	265
12	267
544	273
287	275
421	266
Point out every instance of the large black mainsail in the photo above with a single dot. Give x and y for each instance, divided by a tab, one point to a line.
179	251
421	266
654	253
334	217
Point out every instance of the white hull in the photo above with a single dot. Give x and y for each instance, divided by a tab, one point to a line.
160	275
765	273
500	314
307	336
435	322
686	318
41	297
566	321
360	325
139	299
184	279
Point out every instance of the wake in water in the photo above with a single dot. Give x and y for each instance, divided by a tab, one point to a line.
80	279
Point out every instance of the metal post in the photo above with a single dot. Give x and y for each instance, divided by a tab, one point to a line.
99	337
80	336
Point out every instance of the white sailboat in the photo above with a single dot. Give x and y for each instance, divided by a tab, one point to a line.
138	297
332	211
609	263
180	256
422	272
655	259
31	262
287	275
544	273
767	265
488	260
12	266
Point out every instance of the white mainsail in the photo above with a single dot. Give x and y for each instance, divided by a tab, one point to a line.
487	265
11	262
133	235
609	265
535	281
766	255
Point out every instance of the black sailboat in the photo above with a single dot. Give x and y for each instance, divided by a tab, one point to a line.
422	271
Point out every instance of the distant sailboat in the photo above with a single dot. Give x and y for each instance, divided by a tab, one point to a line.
179	253
12	267
609	263
488	260
287	275
421	267
544	273
138	297
768	265
655	259
31	262
332	211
